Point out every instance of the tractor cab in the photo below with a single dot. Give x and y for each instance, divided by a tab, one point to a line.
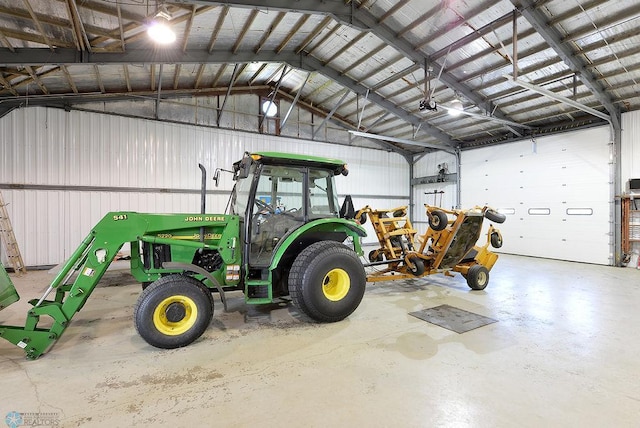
277	194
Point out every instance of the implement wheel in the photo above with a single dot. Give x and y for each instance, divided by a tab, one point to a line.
376	256
438	220
173	311
478	277
496	239
327	281
418	270
494	216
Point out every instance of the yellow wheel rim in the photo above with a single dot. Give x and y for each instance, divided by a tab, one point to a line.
336	284
482	278
175	315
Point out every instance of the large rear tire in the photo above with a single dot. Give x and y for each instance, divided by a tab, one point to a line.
173	311
327	281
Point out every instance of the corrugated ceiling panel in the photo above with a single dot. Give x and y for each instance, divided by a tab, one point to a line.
439	17
583	20
381	57
390	70
491	10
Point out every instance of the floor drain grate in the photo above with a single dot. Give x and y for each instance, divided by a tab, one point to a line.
453	319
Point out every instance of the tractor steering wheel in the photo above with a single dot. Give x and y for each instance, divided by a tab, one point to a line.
264	206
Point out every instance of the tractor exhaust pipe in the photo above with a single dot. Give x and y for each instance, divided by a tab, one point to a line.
203	197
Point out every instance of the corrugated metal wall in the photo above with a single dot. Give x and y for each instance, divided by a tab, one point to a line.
630	168
630	150
240	113
77	166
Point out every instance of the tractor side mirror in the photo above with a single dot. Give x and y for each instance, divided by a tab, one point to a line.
243	167
216	176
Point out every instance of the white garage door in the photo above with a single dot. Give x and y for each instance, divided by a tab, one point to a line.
556	193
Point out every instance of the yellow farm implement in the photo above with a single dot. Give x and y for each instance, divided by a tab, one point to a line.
449	244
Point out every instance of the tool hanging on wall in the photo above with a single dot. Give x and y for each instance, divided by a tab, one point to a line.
9	240
435	194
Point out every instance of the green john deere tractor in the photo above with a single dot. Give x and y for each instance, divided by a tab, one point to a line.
285	235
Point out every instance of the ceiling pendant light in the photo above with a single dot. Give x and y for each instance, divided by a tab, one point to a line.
159	30
455	107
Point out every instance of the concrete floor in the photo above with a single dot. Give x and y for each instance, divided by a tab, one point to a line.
564	352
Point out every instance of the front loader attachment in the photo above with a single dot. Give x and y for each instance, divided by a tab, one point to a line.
68	300
8	293
176	237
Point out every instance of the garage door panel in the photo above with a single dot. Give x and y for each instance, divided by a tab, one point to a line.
565	177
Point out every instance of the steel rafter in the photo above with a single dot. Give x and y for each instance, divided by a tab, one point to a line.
366	21
552	36
36	21
278	19
331	113
303	19
177	56
295	101
217	28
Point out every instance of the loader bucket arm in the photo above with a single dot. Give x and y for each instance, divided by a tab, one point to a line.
90	261
8	293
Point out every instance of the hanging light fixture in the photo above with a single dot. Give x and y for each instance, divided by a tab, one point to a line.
159	30
455	107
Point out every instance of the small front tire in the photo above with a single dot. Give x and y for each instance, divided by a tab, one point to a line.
495	216
418	264
173	311
438	220
496	239
478	277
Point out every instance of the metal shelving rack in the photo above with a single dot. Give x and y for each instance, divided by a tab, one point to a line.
630	222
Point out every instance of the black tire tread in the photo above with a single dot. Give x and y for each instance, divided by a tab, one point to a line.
441	223
472	277
145	328
495	216
496	240
419	263
307	259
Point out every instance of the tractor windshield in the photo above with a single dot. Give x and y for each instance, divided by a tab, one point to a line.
282	189
241	192
323	199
